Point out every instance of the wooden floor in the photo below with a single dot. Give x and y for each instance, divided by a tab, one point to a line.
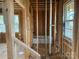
55	54
20	53
3	52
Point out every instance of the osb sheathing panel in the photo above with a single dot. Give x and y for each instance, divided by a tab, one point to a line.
67	50
3	37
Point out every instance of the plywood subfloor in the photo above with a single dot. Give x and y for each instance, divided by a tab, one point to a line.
20	53
42	51
3	52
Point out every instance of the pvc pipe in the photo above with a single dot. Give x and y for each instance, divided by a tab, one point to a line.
50	33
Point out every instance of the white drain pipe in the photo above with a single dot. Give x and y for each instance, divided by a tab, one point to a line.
50	33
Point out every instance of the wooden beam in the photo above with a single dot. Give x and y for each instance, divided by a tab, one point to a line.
37	23
24	24
75	49
26	28
60	24
22	3
40	9
33	52
55	20
8	12
46	25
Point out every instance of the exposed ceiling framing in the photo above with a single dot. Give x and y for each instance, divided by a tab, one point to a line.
16	6
41	4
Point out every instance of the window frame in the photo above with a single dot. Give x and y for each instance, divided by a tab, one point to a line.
13	23
18	23
66	20
3	24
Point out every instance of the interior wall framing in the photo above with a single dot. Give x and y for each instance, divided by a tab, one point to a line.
60	23
8	12
76	30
